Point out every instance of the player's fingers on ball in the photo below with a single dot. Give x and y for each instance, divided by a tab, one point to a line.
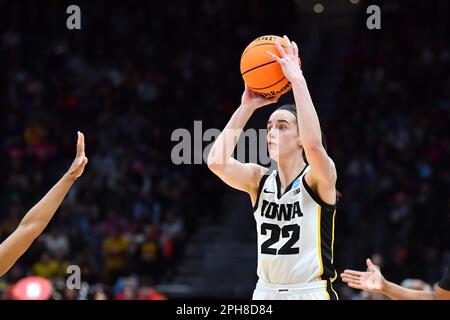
280	49
295	47
288	44
287	39
277	58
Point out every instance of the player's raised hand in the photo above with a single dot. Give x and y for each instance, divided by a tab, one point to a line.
371	280
77	167
253	100
289	61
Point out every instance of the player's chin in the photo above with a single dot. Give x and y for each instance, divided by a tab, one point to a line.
274	155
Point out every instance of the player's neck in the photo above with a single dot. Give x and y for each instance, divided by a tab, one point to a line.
289	169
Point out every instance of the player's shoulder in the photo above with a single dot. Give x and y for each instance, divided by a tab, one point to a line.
267	176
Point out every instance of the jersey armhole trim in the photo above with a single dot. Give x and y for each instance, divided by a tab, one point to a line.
261	184
316	198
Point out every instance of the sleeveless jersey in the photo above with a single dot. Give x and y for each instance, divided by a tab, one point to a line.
295	232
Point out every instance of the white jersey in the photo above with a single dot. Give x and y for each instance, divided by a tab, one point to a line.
295	233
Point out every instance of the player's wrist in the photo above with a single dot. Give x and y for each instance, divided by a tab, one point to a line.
249	106
298	80
385	286
69	177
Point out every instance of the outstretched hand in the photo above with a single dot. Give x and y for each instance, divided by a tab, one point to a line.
289	61
371	280
77	167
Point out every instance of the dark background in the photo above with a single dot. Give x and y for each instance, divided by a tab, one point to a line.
137	70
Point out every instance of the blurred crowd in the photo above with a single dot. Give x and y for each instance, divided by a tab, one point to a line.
134	73
392	146
139	70
127	80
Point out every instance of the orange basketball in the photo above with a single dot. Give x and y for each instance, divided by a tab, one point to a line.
260	71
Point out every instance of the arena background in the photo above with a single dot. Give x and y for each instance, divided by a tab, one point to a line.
137	70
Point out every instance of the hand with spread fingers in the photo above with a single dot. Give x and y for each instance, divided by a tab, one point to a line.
371	280
289	60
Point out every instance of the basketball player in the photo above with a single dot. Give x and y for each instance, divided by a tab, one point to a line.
39	216
373	281
294	206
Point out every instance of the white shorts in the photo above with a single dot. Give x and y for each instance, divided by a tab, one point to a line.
316	290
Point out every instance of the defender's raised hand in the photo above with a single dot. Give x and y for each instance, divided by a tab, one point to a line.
77	167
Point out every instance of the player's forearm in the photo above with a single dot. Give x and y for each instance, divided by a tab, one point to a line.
226	142
397	292
39	216
33	224
308	121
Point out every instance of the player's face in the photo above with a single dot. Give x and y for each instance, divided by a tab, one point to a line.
282	135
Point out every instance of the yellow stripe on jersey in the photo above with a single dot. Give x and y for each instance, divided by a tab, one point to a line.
332	254
332	246
319	244
319	247
331	286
